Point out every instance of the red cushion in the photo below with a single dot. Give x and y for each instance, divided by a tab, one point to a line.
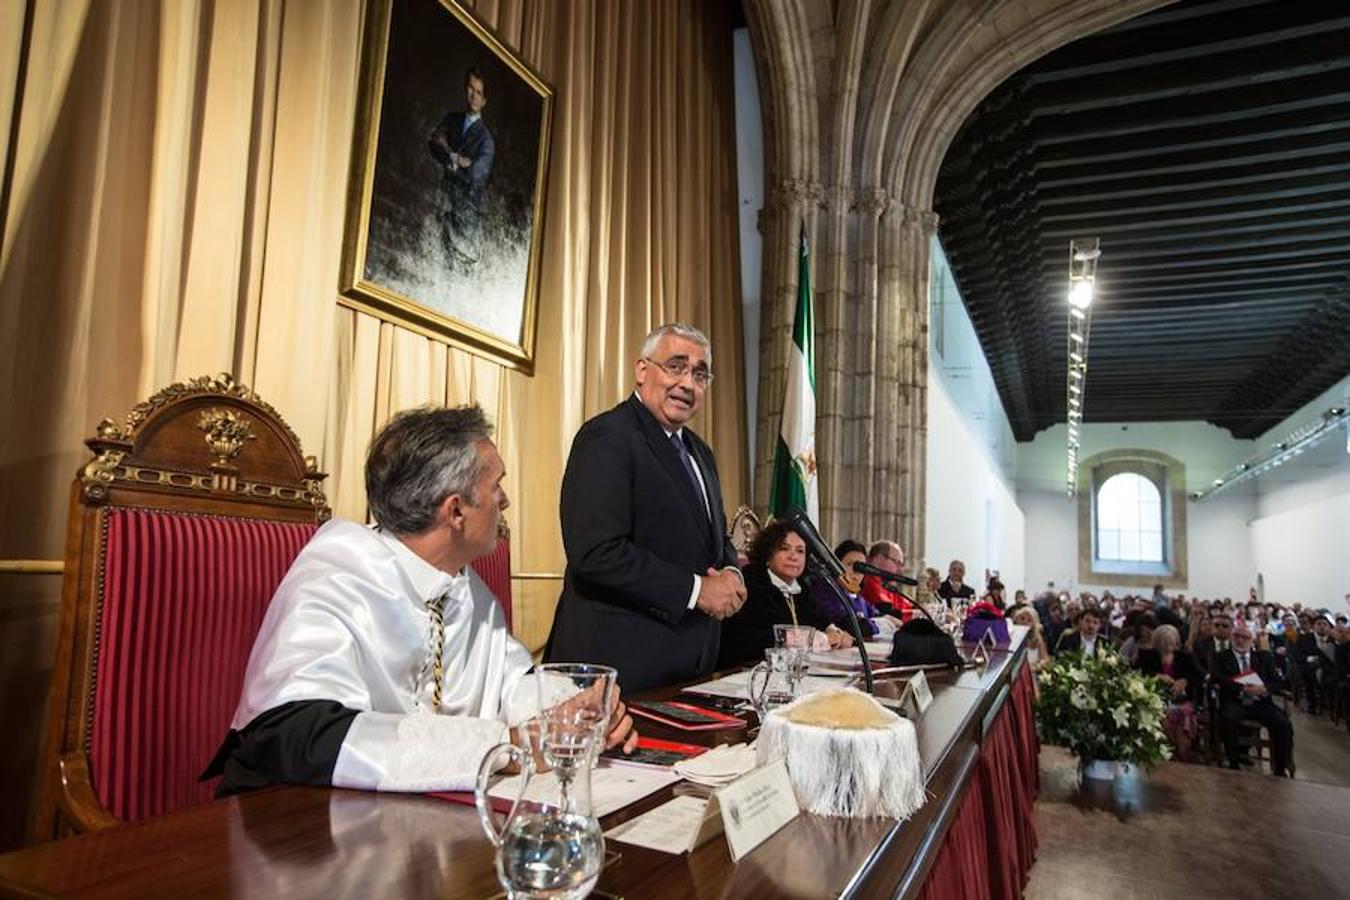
495	570
182	599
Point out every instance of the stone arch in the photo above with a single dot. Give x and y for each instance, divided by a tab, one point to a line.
862	99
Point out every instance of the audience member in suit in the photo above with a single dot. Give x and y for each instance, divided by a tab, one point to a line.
1316	654
775	596
955	587
1207	649
1250	703
650	572
872	622
1177	669
1086	639
1342	687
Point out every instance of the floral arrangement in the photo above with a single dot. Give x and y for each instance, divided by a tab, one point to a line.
1101	709
984	610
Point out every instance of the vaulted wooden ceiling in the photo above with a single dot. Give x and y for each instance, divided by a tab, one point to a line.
1207	145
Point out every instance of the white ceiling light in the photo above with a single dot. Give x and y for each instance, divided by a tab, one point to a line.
1083	256
1302	440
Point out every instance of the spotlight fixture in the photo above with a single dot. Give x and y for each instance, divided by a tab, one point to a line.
1083	256
1303	439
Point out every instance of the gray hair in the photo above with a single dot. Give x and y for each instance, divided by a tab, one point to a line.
676	329
419	458
1169	635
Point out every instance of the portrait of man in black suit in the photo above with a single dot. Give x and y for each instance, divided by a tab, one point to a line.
462	143
650	570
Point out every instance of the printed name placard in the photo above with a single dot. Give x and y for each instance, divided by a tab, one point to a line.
921	692
755	806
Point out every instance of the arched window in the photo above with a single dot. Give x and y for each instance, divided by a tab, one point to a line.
1129	519
1132	519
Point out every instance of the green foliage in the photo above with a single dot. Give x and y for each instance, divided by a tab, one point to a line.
1100	708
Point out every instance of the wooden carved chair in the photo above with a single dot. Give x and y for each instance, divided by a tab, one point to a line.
495	570
744	528
181	526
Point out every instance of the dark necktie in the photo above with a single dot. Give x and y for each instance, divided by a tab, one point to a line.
683	451
1242	663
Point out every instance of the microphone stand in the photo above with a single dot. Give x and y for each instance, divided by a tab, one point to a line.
819	570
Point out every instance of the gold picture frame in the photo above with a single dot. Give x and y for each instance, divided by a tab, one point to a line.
445	207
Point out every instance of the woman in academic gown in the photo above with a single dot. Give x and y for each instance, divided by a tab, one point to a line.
776	594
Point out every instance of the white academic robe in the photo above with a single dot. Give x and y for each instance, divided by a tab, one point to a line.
349	624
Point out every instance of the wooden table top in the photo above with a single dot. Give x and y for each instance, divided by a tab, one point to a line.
304	842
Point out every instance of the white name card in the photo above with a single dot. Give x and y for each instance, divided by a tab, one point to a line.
755	806
922	693
750	810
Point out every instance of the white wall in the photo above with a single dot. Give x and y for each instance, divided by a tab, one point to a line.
972	506
1300	537
1291	526
972	513
1304	554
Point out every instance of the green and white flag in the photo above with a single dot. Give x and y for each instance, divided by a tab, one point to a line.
794	461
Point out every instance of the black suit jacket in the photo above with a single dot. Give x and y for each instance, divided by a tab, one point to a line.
636	533
1072	642
1226	668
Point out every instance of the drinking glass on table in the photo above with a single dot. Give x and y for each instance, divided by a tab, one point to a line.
800	640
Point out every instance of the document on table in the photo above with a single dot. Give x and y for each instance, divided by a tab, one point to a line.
737	685
674	827
612	787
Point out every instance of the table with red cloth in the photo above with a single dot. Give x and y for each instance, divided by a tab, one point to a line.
975	837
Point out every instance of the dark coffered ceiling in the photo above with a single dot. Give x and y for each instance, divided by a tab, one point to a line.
1208	145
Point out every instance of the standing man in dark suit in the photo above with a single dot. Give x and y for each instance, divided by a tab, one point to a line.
650	571
1250	702
463	145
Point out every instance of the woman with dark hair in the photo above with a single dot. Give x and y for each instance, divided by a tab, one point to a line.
774	596
871	620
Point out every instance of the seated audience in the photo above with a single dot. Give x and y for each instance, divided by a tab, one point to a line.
955	587
888	556
1207	649
1177	669
1341	691
1038	655
1252	702
1199	627
774	596
1137	634
1056	626
1085	639
994	594
384	662
1316	655
872	622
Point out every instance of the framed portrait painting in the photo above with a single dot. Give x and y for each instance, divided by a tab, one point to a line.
447	181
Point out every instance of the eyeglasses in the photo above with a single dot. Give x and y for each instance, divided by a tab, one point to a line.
678	367
898	560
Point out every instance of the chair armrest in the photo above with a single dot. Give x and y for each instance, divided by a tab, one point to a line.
78	800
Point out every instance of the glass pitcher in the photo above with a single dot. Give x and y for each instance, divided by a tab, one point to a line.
550	845
775	681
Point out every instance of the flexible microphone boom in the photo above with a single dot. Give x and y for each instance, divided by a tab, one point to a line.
863	568
832	569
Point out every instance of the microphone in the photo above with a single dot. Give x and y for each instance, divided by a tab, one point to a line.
863	568
799	522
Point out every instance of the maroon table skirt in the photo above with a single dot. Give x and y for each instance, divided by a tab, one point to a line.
990	846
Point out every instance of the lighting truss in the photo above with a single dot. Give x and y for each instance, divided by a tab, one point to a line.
1297	443
1083	255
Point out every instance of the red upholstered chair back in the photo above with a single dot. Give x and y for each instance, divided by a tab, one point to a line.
495	570
181	527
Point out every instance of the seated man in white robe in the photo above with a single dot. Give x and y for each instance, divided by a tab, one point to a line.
384	662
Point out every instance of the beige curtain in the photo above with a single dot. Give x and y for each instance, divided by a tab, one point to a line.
175	202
